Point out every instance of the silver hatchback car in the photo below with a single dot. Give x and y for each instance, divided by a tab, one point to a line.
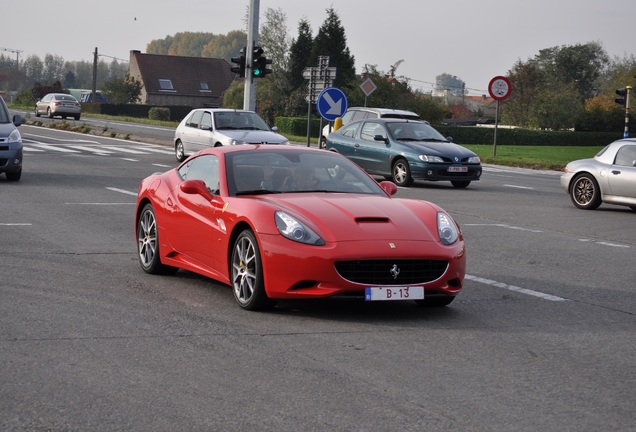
212	127
58	104
10	144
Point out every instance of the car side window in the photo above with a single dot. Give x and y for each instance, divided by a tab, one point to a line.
349	130
195	119
370	130
205	168
348	117
626	156
206	121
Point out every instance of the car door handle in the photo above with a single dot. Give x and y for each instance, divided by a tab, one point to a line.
616	172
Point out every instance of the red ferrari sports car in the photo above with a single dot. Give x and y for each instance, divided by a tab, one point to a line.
286	222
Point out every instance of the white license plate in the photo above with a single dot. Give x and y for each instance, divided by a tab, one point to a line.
457	169
393	293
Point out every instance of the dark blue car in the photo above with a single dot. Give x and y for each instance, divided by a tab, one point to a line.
405	150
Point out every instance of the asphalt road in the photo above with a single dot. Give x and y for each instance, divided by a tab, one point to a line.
542	338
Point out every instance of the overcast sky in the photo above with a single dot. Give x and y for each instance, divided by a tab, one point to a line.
473	40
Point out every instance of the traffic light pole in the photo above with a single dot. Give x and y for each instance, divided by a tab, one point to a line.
249	94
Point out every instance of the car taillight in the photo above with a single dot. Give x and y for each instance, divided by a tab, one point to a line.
57	103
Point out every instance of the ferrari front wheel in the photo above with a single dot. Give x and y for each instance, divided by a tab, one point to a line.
148	243
247	274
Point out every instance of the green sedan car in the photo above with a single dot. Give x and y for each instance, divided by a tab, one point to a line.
404	151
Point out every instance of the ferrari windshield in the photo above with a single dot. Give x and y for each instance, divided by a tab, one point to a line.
276	170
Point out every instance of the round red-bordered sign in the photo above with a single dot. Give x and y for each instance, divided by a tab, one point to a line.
499	88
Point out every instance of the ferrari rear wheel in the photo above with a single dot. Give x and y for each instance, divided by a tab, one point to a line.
247	274
401	173
584	192
438	301
148	243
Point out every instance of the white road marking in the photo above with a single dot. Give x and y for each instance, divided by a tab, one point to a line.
518	187
507	226
94	150
156	150
604	243
122	149
526	291
15	224
122	191
54	148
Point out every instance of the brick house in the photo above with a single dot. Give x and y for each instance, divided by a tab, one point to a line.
177	80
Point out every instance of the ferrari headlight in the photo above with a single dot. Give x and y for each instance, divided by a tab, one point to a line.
474	159
295	230
446	229
430	158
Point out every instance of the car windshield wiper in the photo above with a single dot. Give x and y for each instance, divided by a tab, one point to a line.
257	192
434	140
311	191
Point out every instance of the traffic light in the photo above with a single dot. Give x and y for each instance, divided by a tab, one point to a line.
622	100
240	61
259	64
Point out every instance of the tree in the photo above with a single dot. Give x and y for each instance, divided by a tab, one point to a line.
123	91
581	64
225	46
549	90
33	68
299	54
527	79
69	79
331	41
275	42
557	107
53	68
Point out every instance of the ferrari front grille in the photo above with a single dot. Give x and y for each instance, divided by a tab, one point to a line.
391	272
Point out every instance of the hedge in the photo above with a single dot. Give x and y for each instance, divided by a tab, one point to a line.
297	126
177	112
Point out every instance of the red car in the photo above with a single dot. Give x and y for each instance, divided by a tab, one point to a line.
289	222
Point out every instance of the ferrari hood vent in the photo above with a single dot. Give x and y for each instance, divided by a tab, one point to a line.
362	220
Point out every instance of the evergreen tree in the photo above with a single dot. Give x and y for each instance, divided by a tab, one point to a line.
331	41
299	54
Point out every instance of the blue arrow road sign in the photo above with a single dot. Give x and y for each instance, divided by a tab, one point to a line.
331	103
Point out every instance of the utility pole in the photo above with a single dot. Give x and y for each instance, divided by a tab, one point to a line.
94	89
249	94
